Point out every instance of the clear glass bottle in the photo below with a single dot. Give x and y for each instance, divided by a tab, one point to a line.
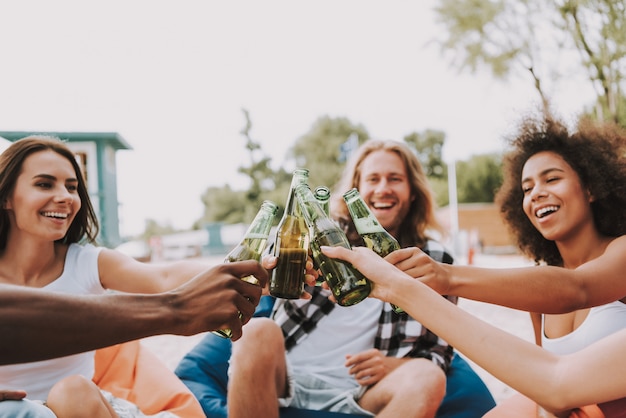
348	285
252	245
374	235
291	247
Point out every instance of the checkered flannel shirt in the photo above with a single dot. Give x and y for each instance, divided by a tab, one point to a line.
398	335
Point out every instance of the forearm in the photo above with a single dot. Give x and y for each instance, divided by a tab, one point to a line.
542	289
37	324
180	272
518	363
550	380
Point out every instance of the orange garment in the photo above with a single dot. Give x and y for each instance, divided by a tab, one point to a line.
131	371
519	406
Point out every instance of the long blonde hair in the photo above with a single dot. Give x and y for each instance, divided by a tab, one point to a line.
421	217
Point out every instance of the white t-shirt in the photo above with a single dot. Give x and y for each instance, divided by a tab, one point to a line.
80	276
345	330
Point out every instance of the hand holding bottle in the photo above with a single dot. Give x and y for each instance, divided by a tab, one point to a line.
310	277
347	284
374	235
291	246
416	263
383	275
251	246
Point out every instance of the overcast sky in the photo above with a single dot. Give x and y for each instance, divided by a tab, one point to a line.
171	77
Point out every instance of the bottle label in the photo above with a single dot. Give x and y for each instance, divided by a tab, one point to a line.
256	235
366	225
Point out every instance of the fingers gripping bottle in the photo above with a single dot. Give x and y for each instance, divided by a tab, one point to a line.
348	285
374	235
291	247
252	245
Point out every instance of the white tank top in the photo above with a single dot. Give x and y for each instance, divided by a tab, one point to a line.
601	321
80	276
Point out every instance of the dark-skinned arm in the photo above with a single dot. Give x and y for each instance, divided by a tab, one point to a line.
36	324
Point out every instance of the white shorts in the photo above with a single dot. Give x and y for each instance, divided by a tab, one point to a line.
308	392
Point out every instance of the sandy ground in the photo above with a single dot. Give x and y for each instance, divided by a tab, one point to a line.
172	348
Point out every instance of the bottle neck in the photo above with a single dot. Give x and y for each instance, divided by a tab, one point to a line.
261	224
291	207
311	210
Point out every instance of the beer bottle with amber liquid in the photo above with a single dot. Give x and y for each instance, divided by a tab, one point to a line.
252	245
374	235
347	284
291	246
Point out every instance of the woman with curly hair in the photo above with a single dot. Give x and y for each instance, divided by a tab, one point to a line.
563	198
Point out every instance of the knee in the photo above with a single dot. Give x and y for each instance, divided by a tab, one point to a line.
66	392
262	339
421	376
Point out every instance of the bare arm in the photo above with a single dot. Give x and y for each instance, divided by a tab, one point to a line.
550	380
37	324
118	271
542	289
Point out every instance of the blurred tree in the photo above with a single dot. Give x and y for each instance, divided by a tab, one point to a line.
598	30
153	228
428	147
478	178
542	38
263	179
440	189
319	149
222	204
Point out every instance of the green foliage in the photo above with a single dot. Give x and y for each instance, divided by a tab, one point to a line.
479	178
598	30
318	150
222	204
428	147
153	228
440	189
534	37
496	34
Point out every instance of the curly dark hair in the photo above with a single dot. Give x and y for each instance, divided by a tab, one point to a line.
596	151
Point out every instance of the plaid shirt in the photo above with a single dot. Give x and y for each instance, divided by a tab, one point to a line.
398	335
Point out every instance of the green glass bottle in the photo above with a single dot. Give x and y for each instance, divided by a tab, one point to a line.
291	247
252	245
374	235
322	195
348	285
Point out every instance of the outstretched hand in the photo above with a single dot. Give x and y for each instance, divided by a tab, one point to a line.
417	264
382	273
310	276
215	298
